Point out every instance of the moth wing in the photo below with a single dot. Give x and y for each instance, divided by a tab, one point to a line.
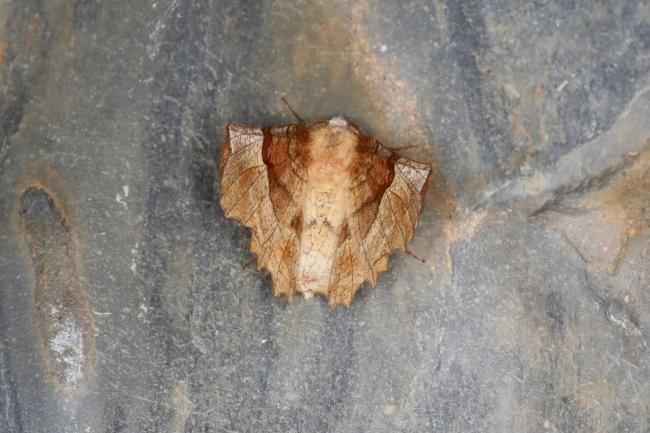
398	212
390	201
249	193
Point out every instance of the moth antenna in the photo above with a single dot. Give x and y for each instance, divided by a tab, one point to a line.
410	146
410	253
296	115
247	264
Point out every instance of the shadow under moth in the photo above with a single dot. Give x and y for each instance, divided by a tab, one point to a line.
326	203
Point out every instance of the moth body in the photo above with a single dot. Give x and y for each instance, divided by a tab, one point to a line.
326	204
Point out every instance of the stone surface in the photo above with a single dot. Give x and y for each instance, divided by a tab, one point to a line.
531	312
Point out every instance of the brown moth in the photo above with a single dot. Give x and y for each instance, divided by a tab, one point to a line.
326	203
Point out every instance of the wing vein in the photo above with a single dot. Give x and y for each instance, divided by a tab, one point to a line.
241	149
225	191
408	211
259	202
407	180
390	206
243	194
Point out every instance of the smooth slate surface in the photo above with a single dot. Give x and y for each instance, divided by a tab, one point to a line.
530	313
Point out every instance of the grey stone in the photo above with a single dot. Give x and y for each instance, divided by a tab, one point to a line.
531	312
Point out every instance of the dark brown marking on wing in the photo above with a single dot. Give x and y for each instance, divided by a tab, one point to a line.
296	223
345	233
373	172
280	148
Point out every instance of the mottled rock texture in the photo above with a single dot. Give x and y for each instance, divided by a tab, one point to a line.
124	303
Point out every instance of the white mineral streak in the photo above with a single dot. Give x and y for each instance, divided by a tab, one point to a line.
67	346
327	200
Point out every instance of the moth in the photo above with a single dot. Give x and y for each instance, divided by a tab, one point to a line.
327	204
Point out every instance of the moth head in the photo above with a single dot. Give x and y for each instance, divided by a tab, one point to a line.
336	133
